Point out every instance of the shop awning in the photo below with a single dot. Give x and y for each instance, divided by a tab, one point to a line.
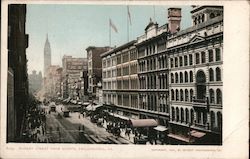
118	116
161	128
178	137
197	134
92	107
143	123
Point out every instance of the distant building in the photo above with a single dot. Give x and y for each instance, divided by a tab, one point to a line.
72	72
17	71
94	67
35	81
52	82
47	56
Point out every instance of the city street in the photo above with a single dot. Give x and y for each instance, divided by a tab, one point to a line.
77	129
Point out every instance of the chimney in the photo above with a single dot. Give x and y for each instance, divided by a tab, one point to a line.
174	19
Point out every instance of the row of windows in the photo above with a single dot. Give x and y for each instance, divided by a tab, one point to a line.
188	76
188	95
213	54
179	115
151	102
154	82
152	64
121	84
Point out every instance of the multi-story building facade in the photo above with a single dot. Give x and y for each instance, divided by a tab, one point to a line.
72	76
17	71
120	80
94	67
195	77
179	78
52	82
35	81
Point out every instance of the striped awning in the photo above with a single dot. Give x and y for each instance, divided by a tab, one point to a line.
143	123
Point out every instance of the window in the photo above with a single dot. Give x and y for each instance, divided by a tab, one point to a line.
217	54
176	61
173	113
186	95
177	95
172	94
218	74
172	62
218	96
177	114
185	60
172	78
182	115
186	77
181	77
203	57
190	59
176	78
181	62
211	94
211	74
181	95
191	95
210	55
191	76
197	58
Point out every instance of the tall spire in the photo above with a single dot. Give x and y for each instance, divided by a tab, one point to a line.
47	55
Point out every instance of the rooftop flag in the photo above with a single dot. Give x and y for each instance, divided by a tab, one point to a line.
111	24
129	15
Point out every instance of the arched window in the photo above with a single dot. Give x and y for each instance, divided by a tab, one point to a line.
181	61
176	78
172	62
182	115
186	77
218	96
185	60
190	59
191	76
218	74
204	118
181	77
203	18
211	94
191	95
187	115
181	95
217	54
172	94
177	95
210	55
197	58
203	57
173	113
177	114
176	61
211	74
219	120
192	116
201	85
186	95
212	119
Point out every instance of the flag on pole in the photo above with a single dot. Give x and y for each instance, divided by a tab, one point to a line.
111	24
129	15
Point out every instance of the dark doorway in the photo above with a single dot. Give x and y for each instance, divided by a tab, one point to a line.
201	85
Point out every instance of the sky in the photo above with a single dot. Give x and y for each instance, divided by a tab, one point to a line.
72	28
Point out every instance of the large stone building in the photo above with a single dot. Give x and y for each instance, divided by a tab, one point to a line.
52	82
17	70
47	56
179	77
195	78
72	73
35	81
120	80
94	67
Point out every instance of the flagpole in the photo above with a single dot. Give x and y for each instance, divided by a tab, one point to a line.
109	34
127	26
